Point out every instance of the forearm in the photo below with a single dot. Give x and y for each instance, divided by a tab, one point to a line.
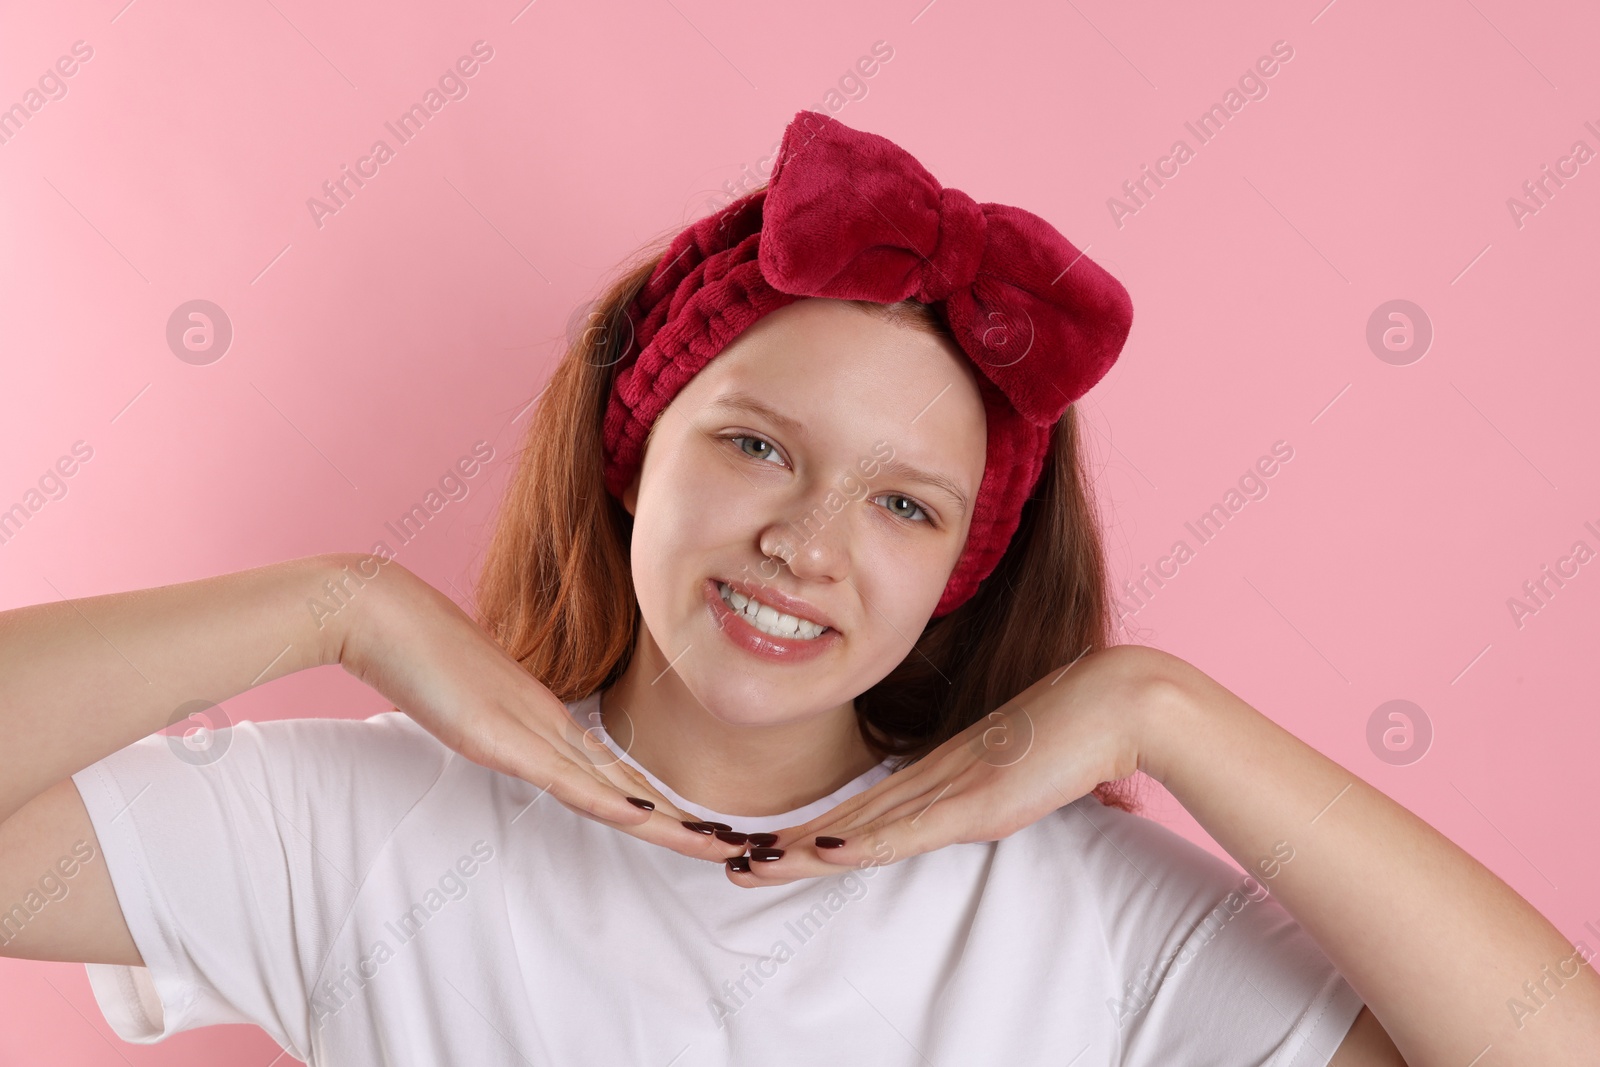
80	679
1433	942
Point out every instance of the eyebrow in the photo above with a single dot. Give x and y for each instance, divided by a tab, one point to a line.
747	403
739	401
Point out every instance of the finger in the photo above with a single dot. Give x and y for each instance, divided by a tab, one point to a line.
792	864
923	779
912	808
667	824
864	844
796	855
910	830
612	767
669	832
664	824
676	829
520	742
672	829
508	746
586	749
882	796
645	788
949	760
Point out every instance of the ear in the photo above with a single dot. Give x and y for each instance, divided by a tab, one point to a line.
630	495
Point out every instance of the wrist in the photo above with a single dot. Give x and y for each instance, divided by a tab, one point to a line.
1165	714
351	591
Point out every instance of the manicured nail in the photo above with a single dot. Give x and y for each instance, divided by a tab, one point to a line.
718	825
830	842
763	840
739	863
698	827
764	855
640	802
732	837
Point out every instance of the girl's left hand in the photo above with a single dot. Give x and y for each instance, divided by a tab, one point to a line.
1046	747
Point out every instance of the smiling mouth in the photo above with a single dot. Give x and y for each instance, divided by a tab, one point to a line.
770	620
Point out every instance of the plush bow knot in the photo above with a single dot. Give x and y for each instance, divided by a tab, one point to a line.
954	262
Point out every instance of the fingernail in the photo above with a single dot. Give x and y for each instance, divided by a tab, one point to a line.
830	842
732	837
698	827
640	802
765	854
763	840
718	825
739	863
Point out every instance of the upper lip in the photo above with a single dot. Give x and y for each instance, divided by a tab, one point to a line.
789	605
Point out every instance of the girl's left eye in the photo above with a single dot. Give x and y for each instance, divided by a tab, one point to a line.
770	451
914	506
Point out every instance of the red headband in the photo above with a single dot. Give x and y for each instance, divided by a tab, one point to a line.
853	216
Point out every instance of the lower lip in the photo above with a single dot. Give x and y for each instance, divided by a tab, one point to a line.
747	637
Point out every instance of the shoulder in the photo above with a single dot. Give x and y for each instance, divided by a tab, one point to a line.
390	745
363	772
390	739
377	739
1132	863
384	762
1158	895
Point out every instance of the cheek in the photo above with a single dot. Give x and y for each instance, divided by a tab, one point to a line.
902	576
682	519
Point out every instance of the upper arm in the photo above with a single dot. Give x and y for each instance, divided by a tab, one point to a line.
55	889
220	880
1367	1045
1202	964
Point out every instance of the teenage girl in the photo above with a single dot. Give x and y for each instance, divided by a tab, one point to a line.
789	729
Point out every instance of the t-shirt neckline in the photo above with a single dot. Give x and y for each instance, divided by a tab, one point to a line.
585	713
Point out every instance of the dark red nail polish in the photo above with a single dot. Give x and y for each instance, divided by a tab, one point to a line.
640	802
698	827
763	840
739	863
718	825
732	837
830	842
764	855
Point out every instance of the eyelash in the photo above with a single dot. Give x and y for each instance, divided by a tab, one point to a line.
928	520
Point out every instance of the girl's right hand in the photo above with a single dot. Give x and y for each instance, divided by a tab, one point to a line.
414	645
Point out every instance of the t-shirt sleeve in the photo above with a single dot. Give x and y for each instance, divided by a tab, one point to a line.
1208	969
236	865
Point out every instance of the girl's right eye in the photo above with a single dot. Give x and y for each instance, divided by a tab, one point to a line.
736	438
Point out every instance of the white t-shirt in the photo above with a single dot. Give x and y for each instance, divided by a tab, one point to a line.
366	896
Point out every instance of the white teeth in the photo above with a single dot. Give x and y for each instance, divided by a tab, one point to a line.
767	619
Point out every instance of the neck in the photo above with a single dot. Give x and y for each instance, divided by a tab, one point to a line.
749	768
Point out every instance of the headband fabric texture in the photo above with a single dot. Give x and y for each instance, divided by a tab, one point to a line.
853	216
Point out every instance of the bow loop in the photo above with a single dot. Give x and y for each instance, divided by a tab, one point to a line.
848	219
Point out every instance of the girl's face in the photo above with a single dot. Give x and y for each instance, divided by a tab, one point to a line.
804	507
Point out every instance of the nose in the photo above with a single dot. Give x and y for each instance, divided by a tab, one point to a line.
813	542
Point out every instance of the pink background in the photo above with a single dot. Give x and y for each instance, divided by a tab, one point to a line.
372	352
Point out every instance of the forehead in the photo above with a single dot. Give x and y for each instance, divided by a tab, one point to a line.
822	349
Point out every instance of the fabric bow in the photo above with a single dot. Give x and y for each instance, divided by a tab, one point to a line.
854	216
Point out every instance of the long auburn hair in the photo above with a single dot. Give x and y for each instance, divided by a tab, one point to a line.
556	587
